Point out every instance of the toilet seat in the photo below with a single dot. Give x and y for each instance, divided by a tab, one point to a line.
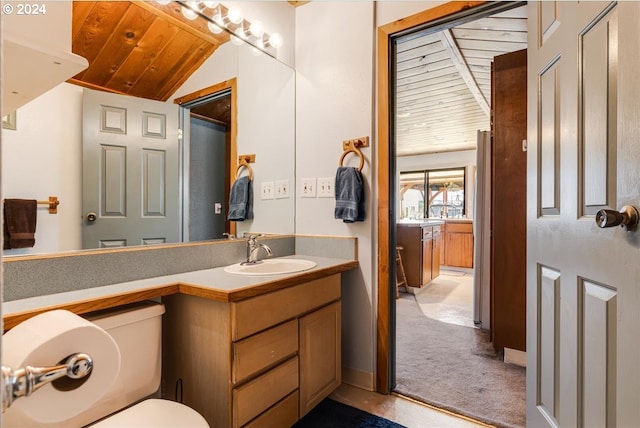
154	413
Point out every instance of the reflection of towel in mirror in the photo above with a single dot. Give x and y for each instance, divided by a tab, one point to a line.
241	200
349	194
19	223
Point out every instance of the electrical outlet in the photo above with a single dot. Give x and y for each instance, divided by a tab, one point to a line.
308	188
282	189
325	187
267	190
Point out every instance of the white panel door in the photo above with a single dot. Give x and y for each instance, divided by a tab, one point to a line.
130	171
583	282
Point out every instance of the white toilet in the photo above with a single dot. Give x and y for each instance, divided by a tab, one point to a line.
137	330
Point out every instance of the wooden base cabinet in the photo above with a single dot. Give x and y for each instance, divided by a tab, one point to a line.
458	246
259	362
421	252
320	356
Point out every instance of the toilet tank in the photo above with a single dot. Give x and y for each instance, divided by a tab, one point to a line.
137	329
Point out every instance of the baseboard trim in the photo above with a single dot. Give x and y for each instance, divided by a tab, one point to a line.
358	378
514	356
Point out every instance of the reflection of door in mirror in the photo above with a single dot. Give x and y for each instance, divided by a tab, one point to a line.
130	171
208	129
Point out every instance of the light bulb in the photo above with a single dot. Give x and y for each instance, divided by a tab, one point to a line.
214	28
189	11
256	29
275	40
217	18
210	4
241	33
235	15
236	40
163	2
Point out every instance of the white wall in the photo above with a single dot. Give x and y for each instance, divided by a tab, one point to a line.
43	158
463	158
335	101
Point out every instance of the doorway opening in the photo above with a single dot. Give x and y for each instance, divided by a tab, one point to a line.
439	98
208	124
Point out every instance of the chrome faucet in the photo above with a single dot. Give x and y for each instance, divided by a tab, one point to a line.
253	249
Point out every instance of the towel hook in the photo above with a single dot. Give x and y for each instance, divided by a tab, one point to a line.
353	146
244	161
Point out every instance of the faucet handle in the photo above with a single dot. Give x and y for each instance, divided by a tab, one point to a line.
229	235
252	236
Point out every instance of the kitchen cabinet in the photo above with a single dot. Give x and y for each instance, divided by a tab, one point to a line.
457	248
263	361
421	252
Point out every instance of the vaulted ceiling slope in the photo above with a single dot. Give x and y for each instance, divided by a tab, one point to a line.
443	82
139	48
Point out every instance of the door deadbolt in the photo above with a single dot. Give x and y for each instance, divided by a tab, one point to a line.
91	217
627	217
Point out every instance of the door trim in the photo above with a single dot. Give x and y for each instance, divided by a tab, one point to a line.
230	85
386	294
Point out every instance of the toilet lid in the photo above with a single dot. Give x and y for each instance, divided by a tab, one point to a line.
155	413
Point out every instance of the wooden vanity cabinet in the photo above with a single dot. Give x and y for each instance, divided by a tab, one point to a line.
260	362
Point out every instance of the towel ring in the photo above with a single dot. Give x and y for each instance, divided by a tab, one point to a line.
246	165
355	150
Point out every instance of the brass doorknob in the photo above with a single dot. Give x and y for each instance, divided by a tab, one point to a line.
627	217
91	216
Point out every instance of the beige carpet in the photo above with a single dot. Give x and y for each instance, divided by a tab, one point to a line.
454	366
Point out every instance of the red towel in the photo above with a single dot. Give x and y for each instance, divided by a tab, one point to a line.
19	223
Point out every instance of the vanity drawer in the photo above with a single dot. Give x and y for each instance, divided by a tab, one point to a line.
257	395
256	353
259	313
283	414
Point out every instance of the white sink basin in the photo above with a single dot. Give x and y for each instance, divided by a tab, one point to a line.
271	267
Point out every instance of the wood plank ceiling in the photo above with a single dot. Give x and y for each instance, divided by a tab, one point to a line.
443	82
139	48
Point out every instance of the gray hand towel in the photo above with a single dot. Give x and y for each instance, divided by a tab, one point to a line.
241	200
349	194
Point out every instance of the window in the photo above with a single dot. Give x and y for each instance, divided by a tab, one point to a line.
434	193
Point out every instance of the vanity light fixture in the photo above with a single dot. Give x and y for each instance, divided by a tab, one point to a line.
220	18
189	10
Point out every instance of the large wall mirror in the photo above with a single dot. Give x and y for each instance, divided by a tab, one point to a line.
44	155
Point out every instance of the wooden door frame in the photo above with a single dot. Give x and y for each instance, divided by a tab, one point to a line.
385	293
232	146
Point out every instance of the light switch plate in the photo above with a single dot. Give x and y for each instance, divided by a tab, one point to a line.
308	188
282	189
267	191
325	187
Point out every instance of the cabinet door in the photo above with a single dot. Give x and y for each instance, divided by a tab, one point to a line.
320	356
427	259
459	244
460	249
435	261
